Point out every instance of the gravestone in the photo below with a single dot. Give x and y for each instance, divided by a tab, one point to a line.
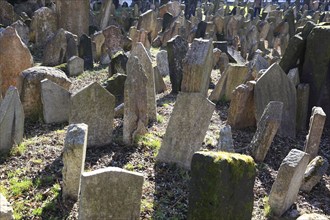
197	67
14	58
29	86
302	106
74	154
162	63
313	137
118	63
294	76
241	112
85	51
288	181
177	49
75	66
110	192
54	52
145	60
148	22
160	85
115	85
135	99
55	101
221	186
266	130
105	13
314	172
72	45
186	129
94	106
226	140
312	216
98	40
11	120
73	15
6	210
7	13
22	30
274	85
113	40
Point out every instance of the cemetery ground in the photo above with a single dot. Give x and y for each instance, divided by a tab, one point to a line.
31	175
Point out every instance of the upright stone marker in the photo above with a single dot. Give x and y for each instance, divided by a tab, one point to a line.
94	106
221	186
54	52
313	137
186	129
85	51
162	63
197	67
302	106
110	193
274	85
135	98
226	139
266	130
56	102
288	181
74	154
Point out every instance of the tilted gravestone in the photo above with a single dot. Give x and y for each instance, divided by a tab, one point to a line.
55	49
186	129
288	181
74	154
110	193
266	130
221	186
274	85
11	120
56	102
85	51
197	67
94	106
135	99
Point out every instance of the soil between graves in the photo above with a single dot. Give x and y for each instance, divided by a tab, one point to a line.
166	187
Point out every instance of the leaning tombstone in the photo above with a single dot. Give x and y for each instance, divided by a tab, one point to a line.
313	137
266	130
54	52
186	129
74	154
285	189
94	106
110	191
56	102
221	186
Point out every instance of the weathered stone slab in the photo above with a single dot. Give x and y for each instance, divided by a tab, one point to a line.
294	76
14	58
160	85
29	86
197	67
94	106
314	172
266	130
110	192
145	60
6	211
177	49
55	49
74	154
113	39
75	66
221	186
148	22
135	99
312	216
186	129
56	102
162	63
11	120
302	106
7	13
313	137
288	181
73	15
118	63
85	51
115	85
23	31
226	142
241	112
105	14
274	85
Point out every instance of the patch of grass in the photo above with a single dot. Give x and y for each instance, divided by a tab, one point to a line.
43	181
160	119
18	187
36	161
129	167
267	208
18	150
149	140
146	205
19	208
4	191
37	211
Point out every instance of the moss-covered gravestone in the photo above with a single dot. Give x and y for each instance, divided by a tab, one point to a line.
221	186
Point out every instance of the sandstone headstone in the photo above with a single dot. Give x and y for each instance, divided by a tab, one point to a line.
6	210
288	181
114	39
11	120
98	39
72	45
74	154
186	129
115	85
110	192
105	13
266	130
274	85
302	106
75	66
148	22
29	86
197	67
73	15
55	49
85	51
177	49
94	106
118	63
160	85
7	13
56	102
221	186
135	97
162	63
14	58
226	140
241	112
313	137
314	172
22	30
